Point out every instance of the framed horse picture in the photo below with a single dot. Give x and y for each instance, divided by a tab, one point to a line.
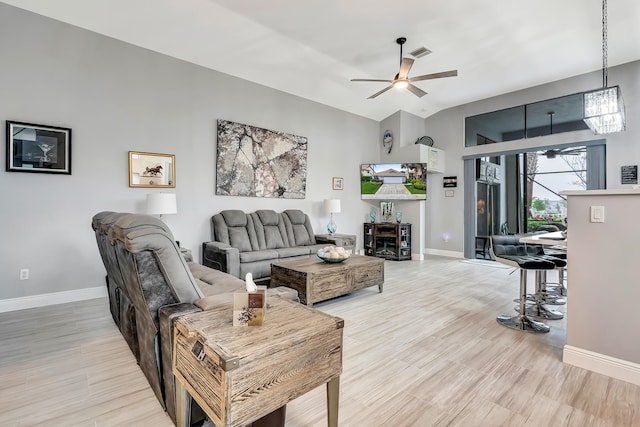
150	170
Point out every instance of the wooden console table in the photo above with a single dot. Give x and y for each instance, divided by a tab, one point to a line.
240	374
347	241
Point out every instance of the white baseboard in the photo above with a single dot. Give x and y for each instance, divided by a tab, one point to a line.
602	364
42	300
417	257
452	254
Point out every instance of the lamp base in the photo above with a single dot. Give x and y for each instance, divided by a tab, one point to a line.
331	227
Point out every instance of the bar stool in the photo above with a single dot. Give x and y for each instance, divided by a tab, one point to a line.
509	251
559	288
551	296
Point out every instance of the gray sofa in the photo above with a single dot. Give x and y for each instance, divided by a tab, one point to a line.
149	285
249	242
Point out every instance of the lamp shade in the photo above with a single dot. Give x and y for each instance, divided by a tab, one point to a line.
161	203
332	205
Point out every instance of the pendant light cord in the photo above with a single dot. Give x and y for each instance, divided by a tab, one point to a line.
605	68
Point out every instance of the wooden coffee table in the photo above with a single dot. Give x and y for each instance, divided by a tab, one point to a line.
317	281
238	374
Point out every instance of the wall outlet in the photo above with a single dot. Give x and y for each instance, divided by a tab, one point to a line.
24	274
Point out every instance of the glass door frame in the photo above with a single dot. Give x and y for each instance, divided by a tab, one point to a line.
596	179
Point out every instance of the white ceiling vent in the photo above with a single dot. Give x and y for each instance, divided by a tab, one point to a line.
420	52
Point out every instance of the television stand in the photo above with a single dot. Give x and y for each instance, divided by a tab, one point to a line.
388	240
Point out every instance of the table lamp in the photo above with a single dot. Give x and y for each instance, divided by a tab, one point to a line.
161	204
332	206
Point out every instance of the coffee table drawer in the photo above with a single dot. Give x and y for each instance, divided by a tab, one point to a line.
322	287
365	276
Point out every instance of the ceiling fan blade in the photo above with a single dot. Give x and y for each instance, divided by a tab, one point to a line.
381	92
416	90
405	66
371	80
451	73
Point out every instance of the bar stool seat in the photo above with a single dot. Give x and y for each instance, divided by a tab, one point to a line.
509	251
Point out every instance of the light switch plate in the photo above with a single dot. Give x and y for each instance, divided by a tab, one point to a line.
597	213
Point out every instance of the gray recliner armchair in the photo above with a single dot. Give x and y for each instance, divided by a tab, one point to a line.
150	284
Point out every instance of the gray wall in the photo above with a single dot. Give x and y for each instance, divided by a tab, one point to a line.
117	97
447	130
603	275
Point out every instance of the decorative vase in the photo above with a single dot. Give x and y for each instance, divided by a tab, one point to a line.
331	227
372	216
398	217
387	211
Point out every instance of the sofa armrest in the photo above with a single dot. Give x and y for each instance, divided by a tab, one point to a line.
167	316
209	302
221	256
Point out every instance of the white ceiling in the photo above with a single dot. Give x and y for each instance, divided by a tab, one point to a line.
312	48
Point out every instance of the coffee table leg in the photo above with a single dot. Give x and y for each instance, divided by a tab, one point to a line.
333	401
183	405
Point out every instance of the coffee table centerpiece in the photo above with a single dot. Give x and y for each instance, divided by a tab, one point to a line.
333	254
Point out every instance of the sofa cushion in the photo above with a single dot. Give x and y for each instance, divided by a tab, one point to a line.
235	228
292	252
168	257
212	281
298	228
269	254
234	218
270	230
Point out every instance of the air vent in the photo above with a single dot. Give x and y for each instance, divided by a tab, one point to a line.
420	52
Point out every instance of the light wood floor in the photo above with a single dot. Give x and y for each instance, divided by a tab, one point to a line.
426	352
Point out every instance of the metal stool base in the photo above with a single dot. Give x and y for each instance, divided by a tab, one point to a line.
546	298
542	312
523	323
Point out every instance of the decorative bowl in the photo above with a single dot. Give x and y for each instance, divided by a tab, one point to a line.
330	260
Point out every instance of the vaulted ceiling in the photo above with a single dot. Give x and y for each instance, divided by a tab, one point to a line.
313	48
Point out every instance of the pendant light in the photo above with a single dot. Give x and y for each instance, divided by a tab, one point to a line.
604	108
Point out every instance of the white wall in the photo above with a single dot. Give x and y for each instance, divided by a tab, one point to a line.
447	130
602	314
117	97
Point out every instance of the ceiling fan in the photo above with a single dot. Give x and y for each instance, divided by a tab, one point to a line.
402	79
552	153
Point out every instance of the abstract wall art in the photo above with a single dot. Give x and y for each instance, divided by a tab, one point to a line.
256	162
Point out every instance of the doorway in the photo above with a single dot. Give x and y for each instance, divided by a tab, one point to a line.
511	196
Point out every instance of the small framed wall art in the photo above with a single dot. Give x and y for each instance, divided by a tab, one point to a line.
337	183
152	170
38	148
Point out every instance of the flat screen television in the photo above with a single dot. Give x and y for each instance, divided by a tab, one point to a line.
393	181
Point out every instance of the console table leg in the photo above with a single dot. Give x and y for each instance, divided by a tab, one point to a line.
183	405
333	401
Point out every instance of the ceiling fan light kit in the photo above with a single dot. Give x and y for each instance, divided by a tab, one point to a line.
402	79
604	108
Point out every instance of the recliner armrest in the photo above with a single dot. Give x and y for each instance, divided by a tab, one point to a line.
207	303
221	256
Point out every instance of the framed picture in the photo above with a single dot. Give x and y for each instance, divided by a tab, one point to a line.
450	181
337	183
38	148
151	170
